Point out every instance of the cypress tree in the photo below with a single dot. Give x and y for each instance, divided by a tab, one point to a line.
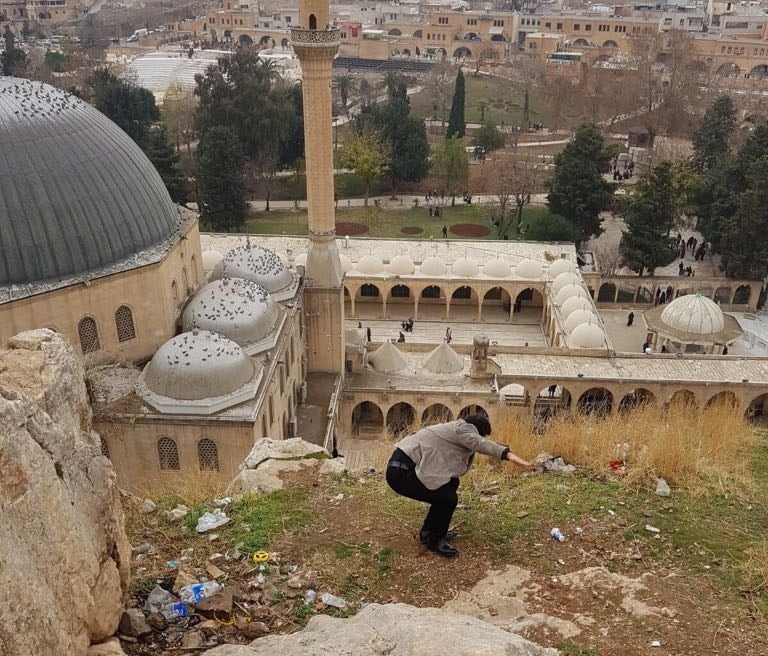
711	142
456	124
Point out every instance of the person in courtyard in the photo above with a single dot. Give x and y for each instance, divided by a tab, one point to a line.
445	232
368	333
401	338
426	466
552	389
630	319
448	336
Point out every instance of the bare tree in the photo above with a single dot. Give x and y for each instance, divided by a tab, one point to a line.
528	74
483	54
440	87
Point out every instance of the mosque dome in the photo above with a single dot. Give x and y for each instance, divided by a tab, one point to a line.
239	309
529	269
370	265
211	259
433	266
574	303
465	268
497	268
560	266
258	264
564	279
569	291
300	260
578	317
346	263
587	335
76	192
694	314
401	265
198	365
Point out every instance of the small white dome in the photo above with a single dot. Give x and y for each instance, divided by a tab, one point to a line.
239	309
387	358
401	265
574	303
497	268
258	264
370	265
433	266
198	365
564	279
560	266
444	360
694	313
465	268
346	263
578	317
529	269
569	291
587	335
300	260
211	259
283	257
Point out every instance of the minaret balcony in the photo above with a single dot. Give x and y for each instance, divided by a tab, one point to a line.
329	38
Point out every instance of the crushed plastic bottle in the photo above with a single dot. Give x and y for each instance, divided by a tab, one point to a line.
557	535
310	596
191	594
173	612
332	600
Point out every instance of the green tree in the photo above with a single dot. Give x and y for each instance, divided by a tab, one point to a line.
489	137
391	82
577	190
345	85
744	244
221	180
650	214
450	164
166	160
292	152
712	141
456	123
550	227
13	61
179	108
367	156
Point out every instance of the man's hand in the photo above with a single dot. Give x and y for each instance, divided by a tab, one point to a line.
523	464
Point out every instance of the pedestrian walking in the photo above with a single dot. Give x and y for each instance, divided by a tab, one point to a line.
445	232
630	319
448	336
368	334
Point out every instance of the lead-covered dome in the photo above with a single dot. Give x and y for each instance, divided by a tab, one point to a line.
76	192
694	314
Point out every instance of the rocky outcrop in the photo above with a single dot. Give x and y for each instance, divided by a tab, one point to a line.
395	630
64	555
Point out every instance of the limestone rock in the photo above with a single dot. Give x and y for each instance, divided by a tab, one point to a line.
393	629
65	564
266	479
133	624
335	466
192	640
148	507
269	449
109	648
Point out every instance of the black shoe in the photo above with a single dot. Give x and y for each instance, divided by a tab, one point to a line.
424	536
443	548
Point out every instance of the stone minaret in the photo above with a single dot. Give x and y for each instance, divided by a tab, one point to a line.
315	42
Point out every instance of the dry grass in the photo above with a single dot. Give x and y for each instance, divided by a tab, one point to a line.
190	489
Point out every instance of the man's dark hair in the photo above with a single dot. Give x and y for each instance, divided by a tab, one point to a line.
481	423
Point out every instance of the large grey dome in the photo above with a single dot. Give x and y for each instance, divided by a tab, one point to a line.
76	192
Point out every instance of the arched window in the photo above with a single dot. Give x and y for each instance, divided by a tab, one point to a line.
124	324
167	454
174	295
104	447
89	335
207	455
271	412
194	270
312	22
184	282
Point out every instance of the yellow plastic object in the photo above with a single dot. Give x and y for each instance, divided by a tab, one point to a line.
260	557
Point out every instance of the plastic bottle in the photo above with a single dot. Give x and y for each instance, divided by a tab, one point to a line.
191	594
174	611
557	535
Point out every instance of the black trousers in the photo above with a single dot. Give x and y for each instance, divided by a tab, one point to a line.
442	501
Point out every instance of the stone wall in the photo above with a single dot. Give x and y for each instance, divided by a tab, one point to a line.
64	555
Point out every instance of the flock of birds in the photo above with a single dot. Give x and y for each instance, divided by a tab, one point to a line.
35	99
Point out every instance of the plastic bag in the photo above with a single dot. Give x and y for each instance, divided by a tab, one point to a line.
212	520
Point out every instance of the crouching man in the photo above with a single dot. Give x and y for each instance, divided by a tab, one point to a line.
426	466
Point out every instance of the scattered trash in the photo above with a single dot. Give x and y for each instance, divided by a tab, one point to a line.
655	643
145	548
172	564
173	612
579	530
652	529
618	467
148	507
223	502
261	557
550	463
179	512
310	596
213	571
332	600
191	594
611	513
157	599
560	561
557	535
662	488
211	520
338	497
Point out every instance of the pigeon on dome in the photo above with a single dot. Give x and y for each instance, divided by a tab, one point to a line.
387	358
444	360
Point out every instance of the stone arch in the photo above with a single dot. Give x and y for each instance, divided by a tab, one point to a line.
245	41
207	455
626	293
227	34
683	398
529	299
741	295
550	400
367	420
757	410
399	291
431	292
725	398
606	293
395	32
214	35
368	290
759	72
395	52
264	40
471	36
498	37
437	413
596	401
610	43
637	398
722	295
465	293
581	43
462	53
312	22
472	409
644	295
442	52
729	69
417	35
401	418
406	52
496	304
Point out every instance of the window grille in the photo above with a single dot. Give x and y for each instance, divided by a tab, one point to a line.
104	447
208	455
167	453
124	324
89	335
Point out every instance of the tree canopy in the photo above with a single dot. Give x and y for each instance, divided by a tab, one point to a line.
489	137
367	155
577	190
13	60
456	123
222	183
712	141
450	164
